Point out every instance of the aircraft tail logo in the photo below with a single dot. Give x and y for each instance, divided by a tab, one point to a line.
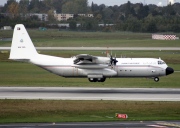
22	46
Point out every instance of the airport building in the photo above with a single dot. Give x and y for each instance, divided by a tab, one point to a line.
41	16
66	16
63	17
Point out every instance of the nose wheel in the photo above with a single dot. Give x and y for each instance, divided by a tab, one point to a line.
156	79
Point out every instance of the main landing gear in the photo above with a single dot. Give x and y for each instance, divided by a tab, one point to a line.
97	79
156	79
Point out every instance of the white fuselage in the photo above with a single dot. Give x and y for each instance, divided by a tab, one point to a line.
126	67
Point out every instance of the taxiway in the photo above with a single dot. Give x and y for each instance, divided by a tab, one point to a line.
120	124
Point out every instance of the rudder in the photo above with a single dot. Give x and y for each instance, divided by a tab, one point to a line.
22	47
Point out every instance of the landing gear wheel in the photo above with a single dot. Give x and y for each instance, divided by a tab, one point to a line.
156	79
101	79
97	79
90	79
93	79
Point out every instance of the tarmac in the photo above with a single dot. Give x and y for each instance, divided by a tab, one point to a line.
81	93
120	124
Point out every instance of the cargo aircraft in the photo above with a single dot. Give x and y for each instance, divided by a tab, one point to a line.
95	68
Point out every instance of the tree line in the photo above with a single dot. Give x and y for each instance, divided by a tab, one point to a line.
126	17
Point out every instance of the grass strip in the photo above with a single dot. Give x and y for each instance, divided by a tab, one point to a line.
26	111
54	38
23	74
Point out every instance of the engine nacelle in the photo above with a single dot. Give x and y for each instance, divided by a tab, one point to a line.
102	60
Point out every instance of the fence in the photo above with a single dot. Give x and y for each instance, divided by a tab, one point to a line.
164	37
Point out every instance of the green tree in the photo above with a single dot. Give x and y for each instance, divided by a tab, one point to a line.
151	27
70	7
143	11
92	7
9	2
57	5
128	9
23	7
75	6
34	6
72	25
175	28
169	10
87	23
107	14
133	24
83	6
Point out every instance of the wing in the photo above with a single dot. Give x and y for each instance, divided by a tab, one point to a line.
91	62
85	59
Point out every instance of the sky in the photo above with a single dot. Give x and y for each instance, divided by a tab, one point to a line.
119	2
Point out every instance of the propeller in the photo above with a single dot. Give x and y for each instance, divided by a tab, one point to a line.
113	61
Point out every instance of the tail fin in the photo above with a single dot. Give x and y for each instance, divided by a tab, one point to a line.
22	47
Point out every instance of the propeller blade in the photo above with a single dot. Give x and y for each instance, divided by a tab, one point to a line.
113	61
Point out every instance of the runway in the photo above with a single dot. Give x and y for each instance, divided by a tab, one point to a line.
106	48
77	93
120	124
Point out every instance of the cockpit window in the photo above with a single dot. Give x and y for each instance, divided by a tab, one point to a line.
161	62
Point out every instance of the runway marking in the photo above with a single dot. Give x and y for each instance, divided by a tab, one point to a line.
157	126
90	98
170	124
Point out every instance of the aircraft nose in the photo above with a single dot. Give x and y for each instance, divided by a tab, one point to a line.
169	70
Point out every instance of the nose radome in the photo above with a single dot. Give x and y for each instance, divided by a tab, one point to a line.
169	70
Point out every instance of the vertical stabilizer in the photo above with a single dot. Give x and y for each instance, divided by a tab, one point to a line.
22	47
